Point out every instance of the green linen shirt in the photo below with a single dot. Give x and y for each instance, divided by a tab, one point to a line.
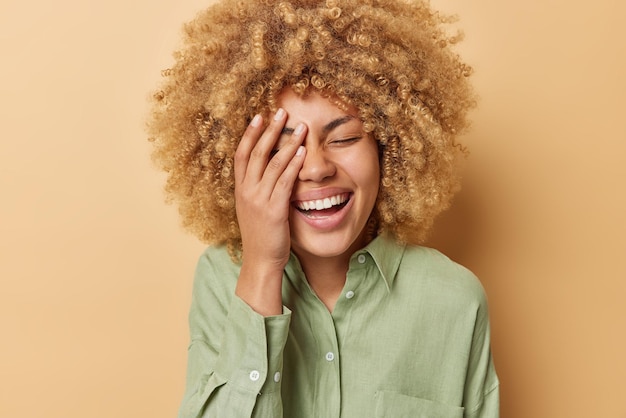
408	337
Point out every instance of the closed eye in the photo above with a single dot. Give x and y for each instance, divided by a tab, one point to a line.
346	141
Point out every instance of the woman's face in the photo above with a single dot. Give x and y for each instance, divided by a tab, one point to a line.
337	186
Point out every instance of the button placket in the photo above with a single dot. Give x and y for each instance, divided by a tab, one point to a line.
360	259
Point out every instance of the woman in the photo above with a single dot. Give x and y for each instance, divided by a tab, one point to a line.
312	144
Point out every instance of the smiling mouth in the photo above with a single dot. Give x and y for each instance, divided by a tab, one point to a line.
320	208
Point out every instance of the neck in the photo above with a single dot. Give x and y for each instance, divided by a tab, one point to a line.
326	276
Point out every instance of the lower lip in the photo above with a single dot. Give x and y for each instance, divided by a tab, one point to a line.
327	222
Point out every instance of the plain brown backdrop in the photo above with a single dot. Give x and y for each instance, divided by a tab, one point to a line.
95	271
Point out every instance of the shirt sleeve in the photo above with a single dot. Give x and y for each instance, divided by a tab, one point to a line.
235	355
481	394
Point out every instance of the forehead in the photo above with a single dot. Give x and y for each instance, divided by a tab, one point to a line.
311	108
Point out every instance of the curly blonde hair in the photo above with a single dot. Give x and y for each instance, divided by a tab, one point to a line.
390	59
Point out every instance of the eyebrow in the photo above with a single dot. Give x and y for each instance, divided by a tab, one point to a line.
327	128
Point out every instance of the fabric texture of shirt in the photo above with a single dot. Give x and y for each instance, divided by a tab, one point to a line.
408	337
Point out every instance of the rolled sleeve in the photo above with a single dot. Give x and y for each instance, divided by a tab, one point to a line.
235	355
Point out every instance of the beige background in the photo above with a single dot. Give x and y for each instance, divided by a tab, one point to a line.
95	271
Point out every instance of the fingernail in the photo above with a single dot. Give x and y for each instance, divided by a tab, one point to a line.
279	114
256	121
299	129
300	150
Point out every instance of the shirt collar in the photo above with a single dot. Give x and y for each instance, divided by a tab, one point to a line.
387	254
384	250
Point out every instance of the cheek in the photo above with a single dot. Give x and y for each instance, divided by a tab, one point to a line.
374	182
371	164
373	178
366	173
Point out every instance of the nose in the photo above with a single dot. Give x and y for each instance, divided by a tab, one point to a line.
317	166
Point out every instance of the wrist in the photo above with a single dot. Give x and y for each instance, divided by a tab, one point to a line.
260	286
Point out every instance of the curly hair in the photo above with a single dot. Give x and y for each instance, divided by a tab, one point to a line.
390	59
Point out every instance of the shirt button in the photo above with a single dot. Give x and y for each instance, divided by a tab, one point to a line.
277	377
349	294
361	258
255	375
330	356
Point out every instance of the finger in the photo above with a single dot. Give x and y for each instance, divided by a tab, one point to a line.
283	158
260	154
246	145
287	179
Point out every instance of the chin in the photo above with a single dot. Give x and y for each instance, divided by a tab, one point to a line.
328	245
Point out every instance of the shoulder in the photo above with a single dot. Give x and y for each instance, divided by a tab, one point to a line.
216	256
430	271
216	273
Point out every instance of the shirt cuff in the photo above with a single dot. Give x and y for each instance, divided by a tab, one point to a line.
251	356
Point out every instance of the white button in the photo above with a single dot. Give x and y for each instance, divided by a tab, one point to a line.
349	294
361	258
330	356
277	377
255	375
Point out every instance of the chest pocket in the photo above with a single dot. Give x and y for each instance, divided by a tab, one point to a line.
397	405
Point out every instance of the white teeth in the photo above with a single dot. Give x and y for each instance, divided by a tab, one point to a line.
325	203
